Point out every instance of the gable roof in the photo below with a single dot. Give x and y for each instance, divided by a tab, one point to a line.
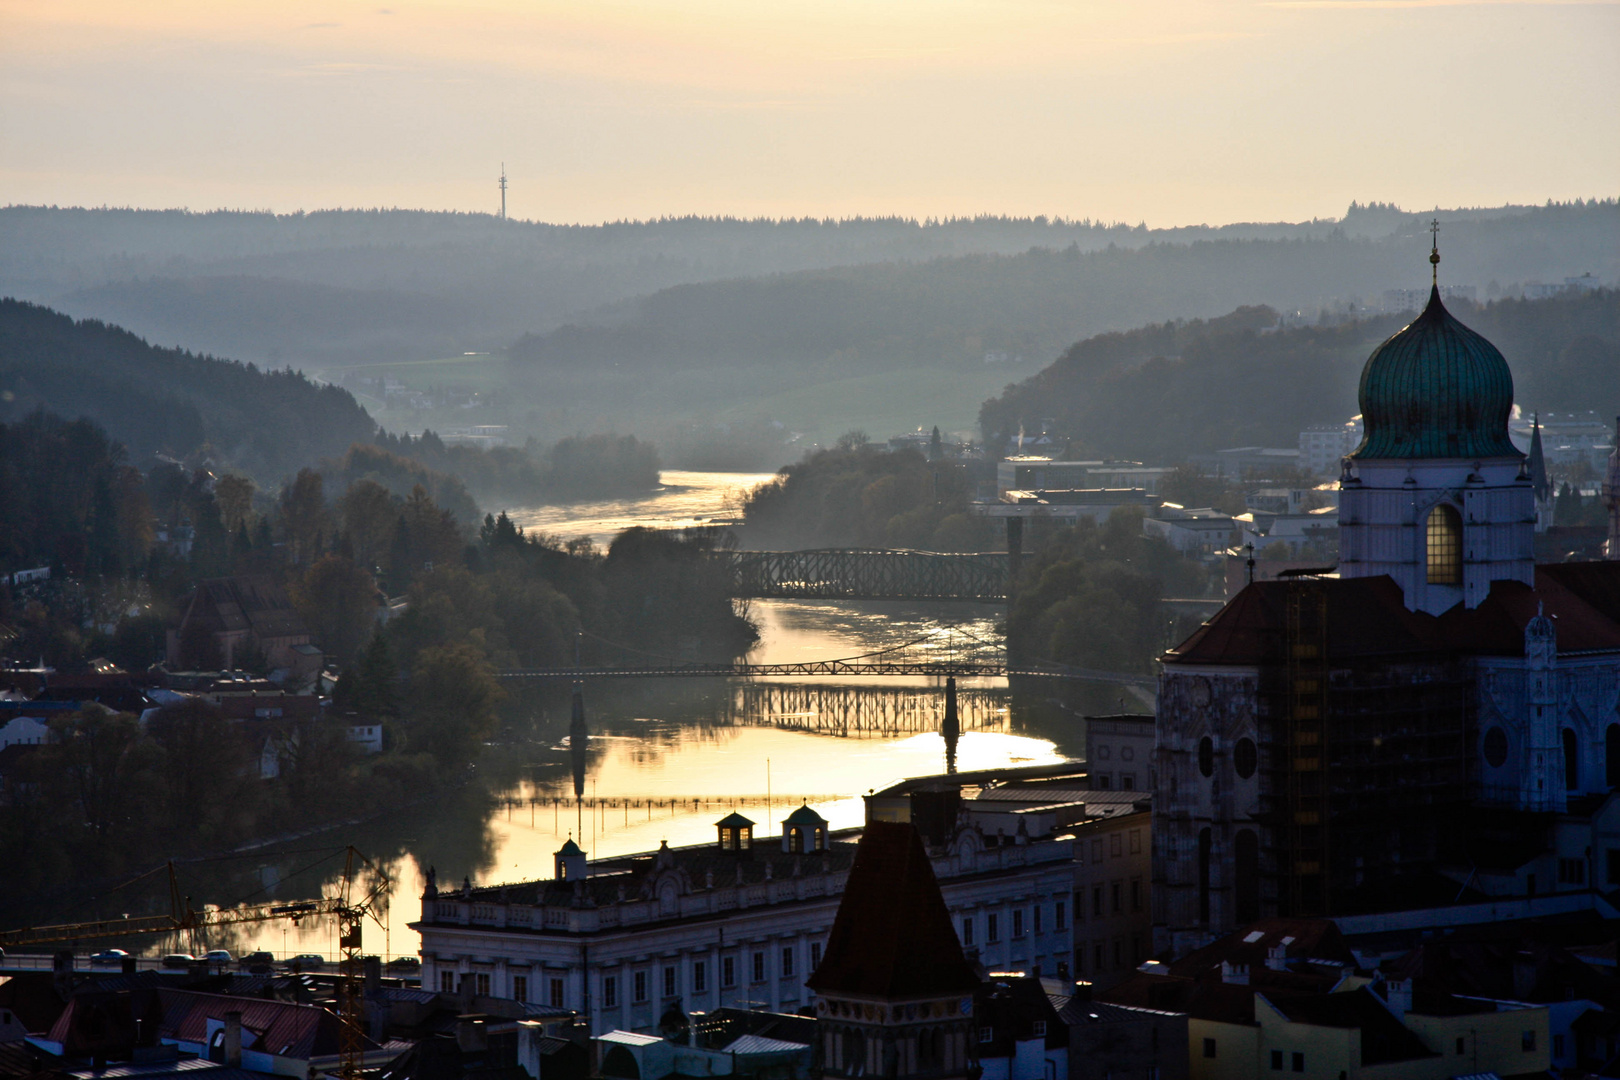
892	937
281	1028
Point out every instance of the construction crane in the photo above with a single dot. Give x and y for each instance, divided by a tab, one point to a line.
352	905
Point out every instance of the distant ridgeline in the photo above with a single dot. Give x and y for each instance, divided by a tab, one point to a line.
1168	390
169	401
269	424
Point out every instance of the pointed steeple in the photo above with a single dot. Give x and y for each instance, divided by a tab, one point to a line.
1537	464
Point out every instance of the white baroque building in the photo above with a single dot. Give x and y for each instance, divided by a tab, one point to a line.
733	923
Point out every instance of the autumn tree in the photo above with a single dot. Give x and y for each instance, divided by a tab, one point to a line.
338	601
453	698
234	494
304	517
368	513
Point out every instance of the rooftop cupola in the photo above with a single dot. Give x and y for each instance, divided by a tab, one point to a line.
1436	389
571	862
1437	496
736	833
804	831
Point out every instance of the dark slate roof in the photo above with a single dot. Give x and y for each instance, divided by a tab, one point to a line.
1367	618
31	996
1384	1039
892	937
276	1027
1300	939
734	820
1436	389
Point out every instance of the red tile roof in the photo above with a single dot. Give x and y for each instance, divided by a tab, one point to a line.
893	937
1367	617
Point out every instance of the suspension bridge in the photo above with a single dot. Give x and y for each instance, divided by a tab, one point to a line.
941	653
867	574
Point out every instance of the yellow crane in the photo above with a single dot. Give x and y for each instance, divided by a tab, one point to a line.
354	902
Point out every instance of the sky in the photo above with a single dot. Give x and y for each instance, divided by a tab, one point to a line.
1171	112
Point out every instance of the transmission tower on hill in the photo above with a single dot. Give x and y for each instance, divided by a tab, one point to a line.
503	191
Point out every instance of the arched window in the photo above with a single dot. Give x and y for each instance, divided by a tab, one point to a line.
1206	755
1206	845
1246	875
1611	756
1245	758
1445	546
1572	761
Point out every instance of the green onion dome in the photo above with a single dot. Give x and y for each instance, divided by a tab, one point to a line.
1436	389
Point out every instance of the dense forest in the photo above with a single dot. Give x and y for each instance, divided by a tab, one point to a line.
474	601
170	401
1168	390
265	425
347	283
856	494
689	331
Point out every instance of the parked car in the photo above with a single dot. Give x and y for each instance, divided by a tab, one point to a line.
306	962
404	963
217	957
257	963
108	958
179	961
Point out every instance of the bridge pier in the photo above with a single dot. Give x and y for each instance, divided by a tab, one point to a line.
1015	552
952	725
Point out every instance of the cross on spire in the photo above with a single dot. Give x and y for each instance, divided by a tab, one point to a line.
1434	250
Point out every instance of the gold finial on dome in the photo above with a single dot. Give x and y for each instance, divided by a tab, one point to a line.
1434	251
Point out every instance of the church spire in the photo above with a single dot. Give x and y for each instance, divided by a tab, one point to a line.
1434	250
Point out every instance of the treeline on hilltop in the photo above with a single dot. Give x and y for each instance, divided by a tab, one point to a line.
225	416
1168	390
170	401
856	494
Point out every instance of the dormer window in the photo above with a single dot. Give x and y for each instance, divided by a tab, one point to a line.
736	833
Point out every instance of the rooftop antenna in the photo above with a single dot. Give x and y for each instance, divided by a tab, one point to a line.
1434	250
503	191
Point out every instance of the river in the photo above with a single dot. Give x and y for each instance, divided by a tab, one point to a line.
666	757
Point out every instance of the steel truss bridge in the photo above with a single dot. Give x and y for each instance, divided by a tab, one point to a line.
861	574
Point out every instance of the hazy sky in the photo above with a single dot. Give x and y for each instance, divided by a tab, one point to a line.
1169	111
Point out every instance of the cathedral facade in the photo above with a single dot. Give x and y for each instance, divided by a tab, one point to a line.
1364	741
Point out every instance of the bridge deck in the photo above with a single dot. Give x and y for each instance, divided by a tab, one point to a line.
965	669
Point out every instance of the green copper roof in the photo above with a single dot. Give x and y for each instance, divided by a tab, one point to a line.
1436	389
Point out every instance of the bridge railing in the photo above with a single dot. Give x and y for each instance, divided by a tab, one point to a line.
868	574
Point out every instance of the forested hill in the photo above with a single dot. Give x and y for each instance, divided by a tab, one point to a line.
402	284
1168	390
154	400
952	311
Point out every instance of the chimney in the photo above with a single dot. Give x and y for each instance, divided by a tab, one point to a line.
471	1035
233	1040
1277	957
1398	994
1234	974
373	974
127	965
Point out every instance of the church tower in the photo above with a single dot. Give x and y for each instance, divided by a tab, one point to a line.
1437	496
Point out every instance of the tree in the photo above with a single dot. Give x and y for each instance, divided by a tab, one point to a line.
338	601
234	494
368	513
304	518
210	773
369	686
936	446
453	699
103	766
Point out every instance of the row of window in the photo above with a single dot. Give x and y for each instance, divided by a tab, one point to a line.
1100	951
449	983
757	970
1020	927
1114	846
1296	1058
